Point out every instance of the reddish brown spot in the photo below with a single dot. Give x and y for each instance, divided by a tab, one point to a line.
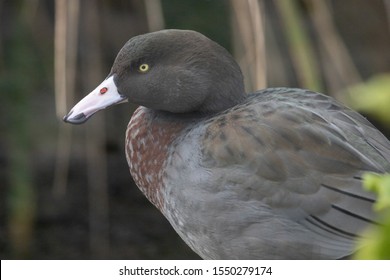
103	90
148	141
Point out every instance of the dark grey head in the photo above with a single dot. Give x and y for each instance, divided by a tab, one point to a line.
178	71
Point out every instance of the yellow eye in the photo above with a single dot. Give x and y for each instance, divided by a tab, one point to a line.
144	68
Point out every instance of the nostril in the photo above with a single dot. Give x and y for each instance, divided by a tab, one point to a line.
103	90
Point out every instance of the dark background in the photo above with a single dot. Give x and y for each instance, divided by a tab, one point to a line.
66	192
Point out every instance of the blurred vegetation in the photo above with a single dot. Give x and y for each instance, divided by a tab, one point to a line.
322	45
17	82
372	97
300	45
209	17
377	244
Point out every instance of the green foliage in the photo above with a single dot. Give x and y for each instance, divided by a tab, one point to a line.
379	184
377	244
186	14
373	97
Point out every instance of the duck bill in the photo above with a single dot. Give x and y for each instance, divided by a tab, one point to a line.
105	95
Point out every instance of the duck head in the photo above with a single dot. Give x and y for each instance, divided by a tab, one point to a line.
177	71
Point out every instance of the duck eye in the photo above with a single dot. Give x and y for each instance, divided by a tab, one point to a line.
143	68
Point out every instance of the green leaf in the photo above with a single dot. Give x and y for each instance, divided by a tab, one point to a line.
373	97
376	243
379	184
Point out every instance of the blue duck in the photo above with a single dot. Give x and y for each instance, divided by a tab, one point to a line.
274	174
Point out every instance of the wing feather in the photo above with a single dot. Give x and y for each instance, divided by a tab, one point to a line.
302	155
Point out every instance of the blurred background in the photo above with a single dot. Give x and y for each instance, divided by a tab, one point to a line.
66	191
